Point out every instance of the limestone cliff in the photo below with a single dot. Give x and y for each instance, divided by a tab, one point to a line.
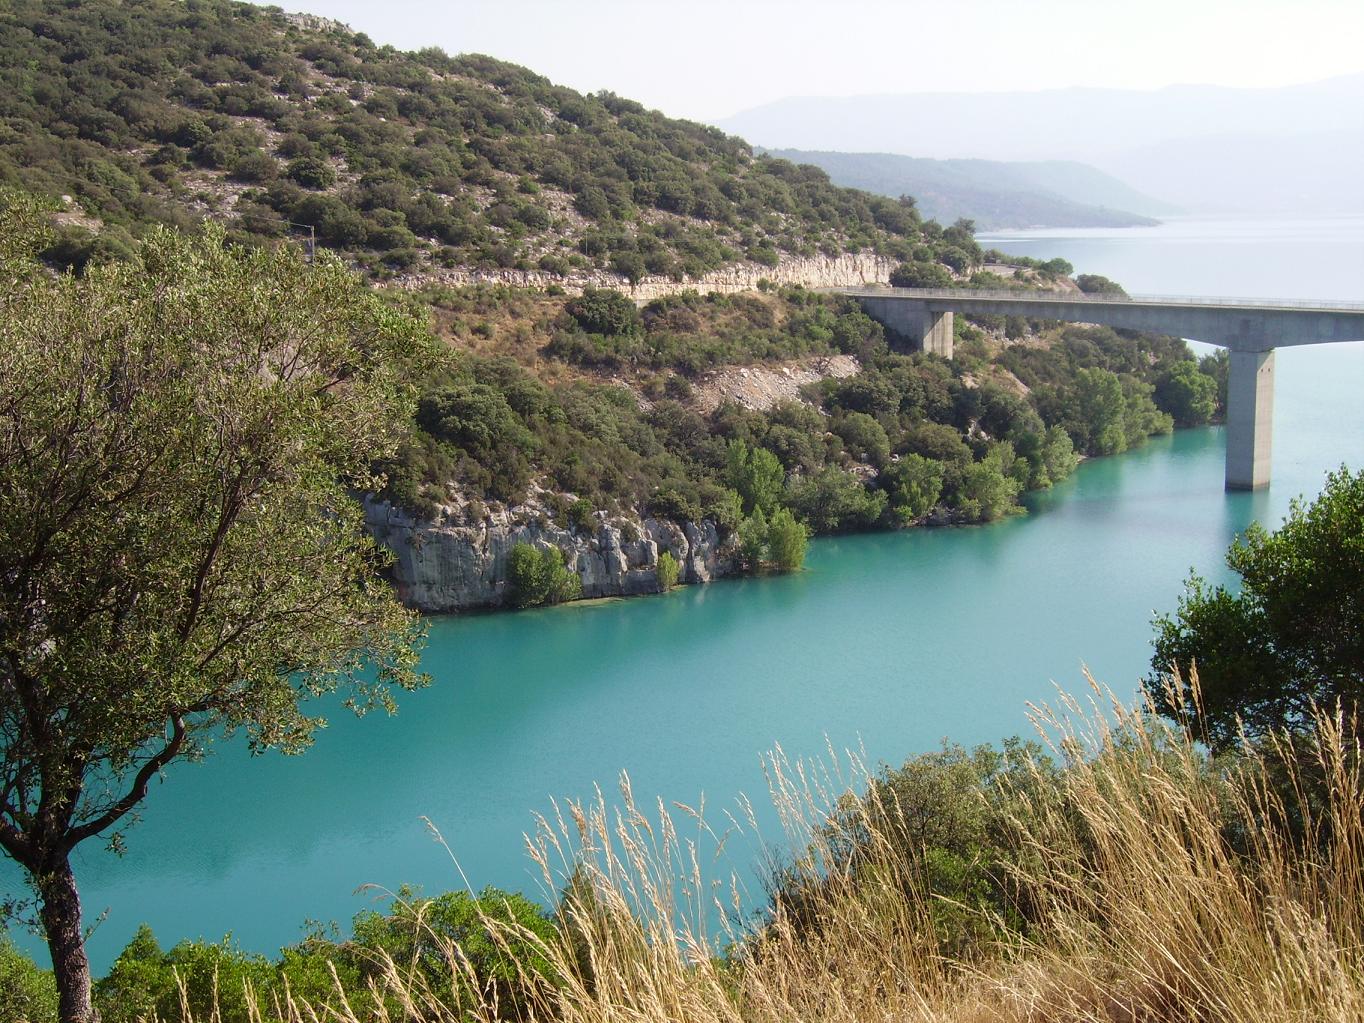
443	567
845	271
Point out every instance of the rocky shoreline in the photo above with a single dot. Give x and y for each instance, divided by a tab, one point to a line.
441	567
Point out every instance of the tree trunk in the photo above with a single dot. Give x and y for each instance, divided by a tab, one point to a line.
60	910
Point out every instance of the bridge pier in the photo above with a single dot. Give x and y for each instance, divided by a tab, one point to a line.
1250	418
1249	329
926	329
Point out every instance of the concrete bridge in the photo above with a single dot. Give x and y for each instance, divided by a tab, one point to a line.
1249	329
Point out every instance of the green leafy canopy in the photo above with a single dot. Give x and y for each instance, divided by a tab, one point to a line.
180	551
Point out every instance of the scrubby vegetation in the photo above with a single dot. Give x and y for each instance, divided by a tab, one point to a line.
170	112
593	398
1139	879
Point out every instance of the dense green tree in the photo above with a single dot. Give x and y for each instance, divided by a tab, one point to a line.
668	571
1096	412
1217	365
418	933
1187	394
1055	460
602	311
311	172
787	540
752	540
914	484
1096	284
920	275
984	491
211	978
539	575
833	500
1141	417
1291	639
863	436
756	475
27	994
955	822
179	552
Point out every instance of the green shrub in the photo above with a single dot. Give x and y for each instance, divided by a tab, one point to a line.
1187	394
787	540
1096	284
833	501
27	993
602	311
580	516
920	275
668	571
913	486
752	541
311	172
539	576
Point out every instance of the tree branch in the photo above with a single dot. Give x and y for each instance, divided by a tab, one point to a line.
136	793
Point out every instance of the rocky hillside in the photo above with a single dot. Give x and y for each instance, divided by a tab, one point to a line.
719	404
410	163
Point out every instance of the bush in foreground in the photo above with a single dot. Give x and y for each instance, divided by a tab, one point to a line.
1291	639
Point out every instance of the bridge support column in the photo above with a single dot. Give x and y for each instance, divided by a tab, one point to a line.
937	333
925	329
1250	419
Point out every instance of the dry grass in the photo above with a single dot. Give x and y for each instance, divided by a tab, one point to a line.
1143	909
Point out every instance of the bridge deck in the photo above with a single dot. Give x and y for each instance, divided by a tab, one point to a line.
1218	303
1241	324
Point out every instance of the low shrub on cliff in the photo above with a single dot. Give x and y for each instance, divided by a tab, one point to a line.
668	571
538	575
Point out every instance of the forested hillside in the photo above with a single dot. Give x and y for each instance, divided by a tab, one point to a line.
162	111
597	402
159	111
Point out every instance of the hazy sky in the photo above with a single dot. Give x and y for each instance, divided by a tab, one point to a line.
707	59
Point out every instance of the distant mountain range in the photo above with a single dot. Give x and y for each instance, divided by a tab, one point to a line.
1296	149
995	194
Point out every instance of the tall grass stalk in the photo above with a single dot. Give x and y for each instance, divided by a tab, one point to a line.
1160	886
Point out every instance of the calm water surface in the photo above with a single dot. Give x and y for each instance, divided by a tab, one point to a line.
891	642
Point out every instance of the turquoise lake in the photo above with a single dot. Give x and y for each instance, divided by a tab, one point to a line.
888	642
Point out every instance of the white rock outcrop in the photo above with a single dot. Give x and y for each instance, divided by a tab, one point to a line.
849	270
440	567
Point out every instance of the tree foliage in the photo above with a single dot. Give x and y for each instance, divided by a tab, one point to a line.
1293	636
161	112
668	571
787	540
539	575
180	554
1189	395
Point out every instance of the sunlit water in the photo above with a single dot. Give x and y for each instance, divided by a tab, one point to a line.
889	642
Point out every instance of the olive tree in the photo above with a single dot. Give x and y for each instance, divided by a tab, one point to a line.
181	554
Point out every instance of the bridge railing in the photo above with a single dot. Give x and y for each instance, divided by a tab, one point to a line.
1070	297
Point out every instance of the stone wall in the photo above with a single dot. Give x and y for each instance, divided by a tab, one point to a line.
442	567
